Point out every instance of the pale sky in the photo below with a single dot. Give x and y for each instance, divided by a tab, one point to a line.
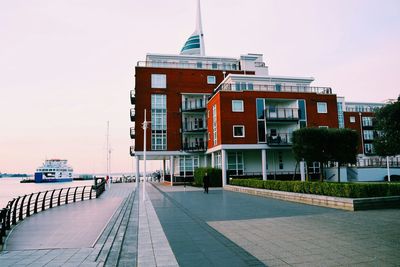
67	66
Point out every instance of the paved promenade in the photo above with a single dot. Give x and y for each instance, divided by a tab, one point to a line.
174	226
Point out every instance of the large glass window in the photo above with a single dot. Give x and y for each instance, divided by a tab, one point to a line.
322	107
158	122
368	148
158	81
214	124
187	165
367	121
368	135
235	163
237	106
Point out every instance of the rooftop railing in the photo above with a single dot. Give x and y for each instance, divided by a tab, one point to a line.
273	88
190	65
24	206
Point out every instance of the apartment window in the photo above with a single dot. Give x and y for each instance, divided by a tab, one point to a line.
218	160
238	131
235	163
187	165
352	119
278	87
199	65
237	106
211	80
158	81
322	107
158	122
214	65
368	135
367	121
368	148
323	127
260	119
214	125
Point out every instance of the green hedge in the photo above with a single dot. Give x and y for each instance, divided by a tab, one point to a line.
215	176
351	190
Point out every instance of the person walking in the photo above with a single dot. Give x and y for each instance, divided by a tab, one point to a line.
206	182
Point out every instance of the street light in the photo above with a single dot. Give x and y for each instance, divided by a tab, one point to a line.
144	126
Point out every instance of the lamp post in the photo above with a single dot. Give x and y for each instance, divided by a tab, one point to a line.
144	126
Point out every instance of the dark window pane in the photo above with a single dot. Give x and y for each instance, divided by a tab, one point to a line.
261	131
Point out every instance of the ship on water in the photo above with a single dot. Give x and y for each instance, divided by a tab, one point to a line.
54	170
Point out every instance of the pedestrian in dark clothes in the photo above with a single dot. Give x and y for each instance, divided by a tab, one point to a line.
206	182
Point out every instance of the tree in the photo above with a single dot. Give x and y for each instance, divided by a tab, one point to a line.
343	146
387	123
310	144
323	145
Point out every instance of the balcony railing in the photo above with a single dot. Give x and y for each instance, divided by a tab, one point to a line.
132	151
133	99
274	88
194	129
133	113
283	114
133	133
280	139
195	146
191	65
195	107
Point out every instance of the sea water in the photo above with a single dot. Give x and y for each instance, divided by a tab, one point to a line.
11	188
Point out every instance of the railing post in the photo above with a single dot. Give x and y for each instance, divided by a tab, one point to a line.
8	215
59	197
75	193
83	193
36	203
14	216
51	198
28	207
21	208
66	198
91	190
44	201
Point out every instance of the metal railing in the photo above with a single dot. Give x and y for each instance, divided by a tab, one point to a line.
274	88
190	128
24	206
195	146
282	113
378	163
195	107
280	139
190	65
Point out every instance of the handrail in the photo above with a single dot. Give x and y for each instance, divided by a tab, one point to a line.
281	113
20	207
275	88
190	65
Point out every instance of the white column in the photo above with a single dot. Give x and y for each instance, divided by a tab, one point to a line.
171	161
163	171
212	160
205	160
303	170
264	163
223	163
137	170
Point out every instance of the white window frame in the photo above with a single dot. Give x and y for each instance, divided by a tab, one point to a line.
352	119
159	81
320	109
238	136
211	79
238	101
215	131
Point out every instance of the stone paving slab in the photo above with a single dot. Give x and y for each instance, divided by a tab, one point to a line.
368	238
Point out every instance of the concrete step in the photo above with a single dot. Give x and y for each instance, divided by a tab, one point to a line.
105	240
113	256
112	237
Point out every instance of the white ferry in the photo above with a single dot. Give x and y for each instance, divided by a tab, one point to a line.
54	170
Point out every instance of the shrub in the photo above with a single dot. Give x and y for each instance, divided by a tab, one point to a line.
215	176
350	190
